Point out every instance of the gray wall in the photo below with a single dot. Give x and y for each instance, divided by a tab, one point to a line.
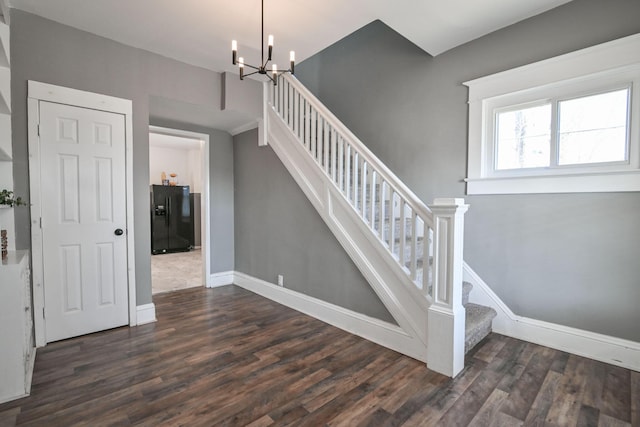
570	258
49	52
278	231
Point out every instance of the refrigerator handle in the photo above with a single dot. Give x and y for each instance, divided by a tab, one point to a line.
168	204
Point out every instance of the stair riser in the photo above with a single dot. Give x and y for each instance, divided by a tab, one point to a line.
466	290
477	324
479	335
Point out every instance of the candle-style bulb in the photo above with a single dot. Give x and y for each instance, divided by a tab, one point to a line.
292	60
274	69
241	65
234	51
270	46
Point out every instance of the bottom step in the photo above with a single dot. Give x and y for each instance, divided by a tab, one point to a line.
477	324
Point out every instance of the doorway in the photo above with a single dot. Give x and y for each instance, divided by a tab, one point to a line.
179	192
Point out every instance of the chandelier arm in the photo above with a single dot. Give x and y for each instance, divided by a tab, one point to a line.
250	74
251	66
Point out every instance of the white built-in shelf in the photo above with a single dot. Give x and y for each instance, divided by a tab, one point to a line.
4	156
5	72
5	91
5	53
14	258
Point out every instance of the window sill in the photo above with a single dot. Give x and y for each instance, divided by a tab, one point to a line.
579	183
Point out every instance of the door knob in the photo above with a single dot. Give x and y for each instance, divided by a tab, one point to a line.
118	232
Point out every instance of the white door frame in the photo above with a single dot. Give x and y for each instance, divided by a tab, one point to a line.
37	92
204	201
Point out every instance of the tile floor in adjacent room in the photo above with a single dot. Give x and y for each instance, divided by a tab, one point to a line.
174	271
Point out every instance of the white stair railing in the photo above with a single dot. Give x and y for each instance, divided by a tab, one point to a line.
426	243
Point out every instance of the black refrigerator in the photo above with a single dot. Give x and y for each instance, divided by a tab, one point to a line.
171	222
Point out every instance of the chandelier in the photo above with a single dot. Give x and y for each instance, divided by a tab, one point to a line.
262	69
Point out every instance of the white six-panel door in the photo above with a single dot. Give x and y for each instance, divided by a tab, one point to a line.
83	211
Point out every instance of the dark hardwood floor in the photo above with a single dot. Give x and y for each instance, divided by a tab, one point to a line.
228	357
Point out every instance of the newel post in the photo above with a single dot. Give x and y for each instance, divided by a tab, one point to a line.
446	316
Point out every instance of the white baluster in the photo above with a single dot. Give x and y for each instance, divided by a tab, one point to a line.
341	163
288	101
276	99
383	209
321	147
312	124
426	262
307	119
296	113
327	146
363	188
392	222
413	266
291	107
403	232
347	171
355	170
334	154
372	196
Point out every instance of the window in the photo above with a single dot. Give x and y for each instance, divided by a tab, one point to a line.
568	124
523	137
593	129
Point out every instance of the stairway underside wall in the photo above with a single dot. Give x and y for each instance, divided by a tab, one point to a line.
278	232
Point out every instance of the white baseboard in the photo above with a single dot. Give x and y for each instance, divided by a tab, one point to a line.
146	313
375	330
220	279
595	346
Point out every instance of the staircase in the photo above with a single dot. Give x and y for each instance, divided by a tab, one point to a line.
409	253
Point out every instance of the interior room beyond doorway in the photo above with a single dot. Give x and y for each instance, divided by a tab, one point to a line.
178	197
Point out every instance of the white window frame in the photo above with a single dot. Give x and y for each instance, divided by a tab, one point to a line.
602	68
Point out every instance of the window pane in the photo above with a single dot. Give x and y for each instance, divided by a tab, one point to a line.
593	129
523	138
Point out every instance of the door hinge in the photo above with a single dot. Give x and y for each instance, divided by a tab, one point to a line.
38	129
43	312
41	223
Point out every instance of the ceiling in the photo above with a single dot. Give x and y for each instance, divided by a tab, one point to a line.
199	32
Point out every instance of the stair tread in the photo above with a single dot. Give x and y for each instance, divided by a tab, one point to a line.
476	314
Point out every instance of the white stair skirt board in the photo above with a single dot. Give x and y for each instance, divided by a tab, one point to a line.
146	313
375	330
394	288
605	348
220	279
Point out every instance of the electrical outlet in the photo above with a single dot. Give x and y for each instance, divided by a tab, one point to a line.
280	280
